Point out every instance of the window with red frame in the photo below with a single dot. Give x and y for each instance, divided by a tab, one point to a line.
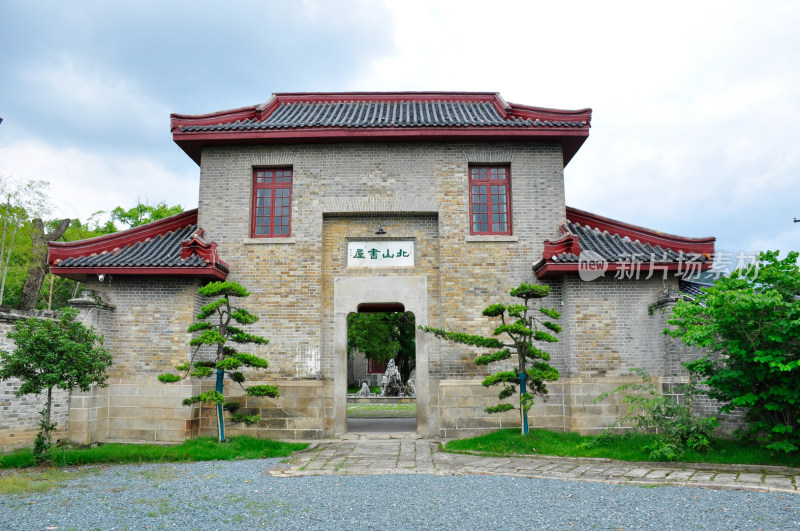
272	202
376	367
490	200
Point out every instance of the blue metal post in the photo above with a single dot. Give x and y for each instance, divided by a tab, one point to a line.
522	377
220	378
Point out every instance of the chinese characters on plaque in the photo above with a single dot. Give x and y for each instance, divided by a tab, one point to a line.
380	254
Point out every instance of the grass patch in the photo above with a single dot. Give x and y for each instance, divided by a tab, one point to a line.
373	410
200	449
629	447
28	482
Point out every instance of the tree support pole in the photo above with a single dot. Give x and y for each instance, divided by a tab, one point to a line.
522	377
221	425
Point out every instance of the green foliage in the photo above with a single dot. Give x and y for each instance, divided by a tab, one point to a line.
48	354
749	324
19	205
250	360
382	337
218	335
202	372
263	390
208	397
627	447
228	364
248	420
168	378
673	424
518	333
223	288
144	213
199	449
43	444
465	339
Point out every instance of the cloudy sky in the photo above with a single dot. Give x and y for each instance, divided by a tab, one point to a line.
695	103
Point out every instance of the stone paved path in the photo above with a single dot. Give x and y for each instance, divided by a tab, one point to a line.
411	455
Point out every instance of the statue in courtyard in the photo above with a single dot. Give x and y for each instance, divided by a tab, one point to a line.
391	384
364	391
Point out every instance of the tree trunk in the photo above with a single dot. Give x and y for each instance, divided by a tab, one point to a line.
39	267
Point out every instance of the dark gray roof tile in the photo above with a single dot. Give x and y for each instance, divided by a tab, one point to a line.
617	248
440	113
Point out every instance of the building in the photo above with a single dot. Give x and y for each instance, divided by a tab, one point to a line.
435	203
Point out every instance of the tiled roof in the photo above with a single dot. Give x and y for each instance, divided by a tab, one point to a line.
172	245
163	250
436	113
693	289
618	248
588	238
382	116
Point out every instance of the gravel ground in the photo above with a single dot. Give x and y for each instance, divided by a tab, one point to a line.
235	494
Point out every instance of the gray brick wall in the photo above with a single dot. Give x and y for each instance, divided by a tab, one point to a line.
290	281
19	416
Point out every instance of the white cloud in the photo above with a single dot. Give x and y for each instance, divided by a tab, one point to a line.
82	183
695	104
93	96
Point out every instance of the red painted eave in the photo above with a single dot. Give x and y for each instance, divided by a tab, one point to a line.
193	143
109	242
555	270
704	246
81	274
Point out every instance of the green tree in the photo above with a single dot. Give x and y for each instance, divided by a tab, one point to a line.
220	335
48	354
749	324
522	329
22	202
144	213
384	336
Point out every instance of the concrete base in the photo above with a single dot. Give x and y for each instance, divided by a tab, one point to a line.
401	425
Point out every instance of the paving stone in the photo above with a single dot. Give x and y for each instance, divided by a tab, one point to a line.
779	481
750	478
680	475
369	456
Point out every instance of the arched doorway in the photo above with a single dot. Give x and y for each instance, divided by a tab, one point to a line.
410	293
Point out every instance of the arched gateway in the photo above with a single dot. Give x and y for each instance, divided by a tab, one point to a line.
351	292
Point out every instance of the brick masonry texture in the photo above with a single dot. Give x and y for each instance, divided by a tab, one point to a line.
333	187
342	192
19	416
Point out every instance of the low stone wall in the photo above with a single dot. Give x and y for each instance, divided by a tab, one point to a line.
299	412
19	416
132	411
569	406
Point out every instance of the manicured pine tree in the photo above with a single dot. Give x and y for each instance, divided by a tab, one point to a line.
520	328
214	322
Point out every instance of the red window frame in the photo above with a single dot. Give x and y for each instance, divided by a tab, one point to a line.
490	200
376	367
271	208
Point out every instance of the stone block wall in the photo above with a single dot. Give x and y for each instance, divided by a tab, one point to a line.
296	414
144	321
19	416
